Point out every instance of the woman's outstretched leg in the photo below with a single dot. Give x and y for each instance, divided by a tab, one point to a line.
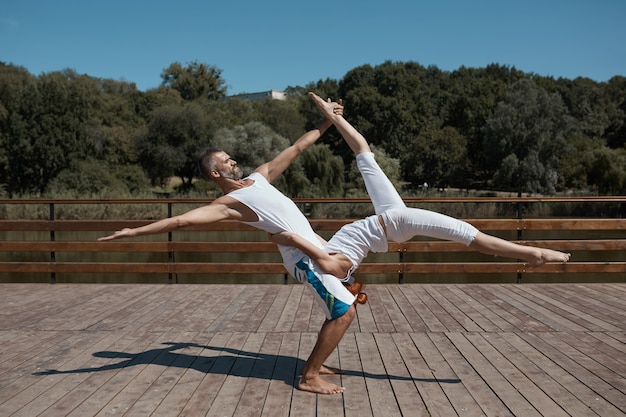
533	256
404	224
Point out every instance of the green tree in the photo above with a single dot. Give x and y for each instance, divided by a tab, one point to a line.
324	172
196	80
526	137
615	91
587	103
282	116
391	102
437	157
171	143
473	94
49	130
13	81
250	145
608	170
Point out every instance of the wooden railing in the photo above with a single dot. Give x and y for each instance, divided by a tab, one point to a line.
400	266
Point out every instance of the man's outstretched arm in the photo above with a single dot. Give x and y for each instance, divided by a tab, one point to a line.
212	213
272	169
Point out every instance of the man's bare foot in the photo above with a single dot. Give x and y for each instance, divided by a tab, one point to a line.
329	370
548	255
319	386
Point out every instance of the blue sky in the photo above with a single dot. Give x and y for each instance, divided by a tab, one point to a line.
273	44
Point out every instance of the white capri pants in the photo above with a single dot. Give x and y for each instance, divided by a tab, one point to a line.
403	223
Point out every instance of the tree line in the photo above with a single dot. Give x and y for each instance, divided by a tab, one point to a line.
64	134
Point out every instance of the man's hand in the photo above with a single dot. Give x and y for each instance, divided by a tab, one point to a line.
118	235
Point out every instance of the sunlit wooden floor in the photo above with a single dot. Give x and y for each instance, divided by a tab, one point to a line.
222	350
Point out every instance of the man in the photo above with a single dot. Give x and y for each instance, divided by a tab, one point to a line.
255	201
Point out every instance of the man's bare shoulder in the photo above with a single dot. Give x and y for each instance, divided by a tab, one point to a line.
235	209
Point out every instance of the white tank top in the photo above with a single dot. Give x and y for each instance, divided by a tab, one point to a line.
276	213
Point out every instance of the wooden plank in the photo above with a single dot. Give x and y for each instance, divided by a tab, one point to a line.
487	401
430	297
364	321
317	224
542	402
595	304
570	392
151	349
356	398
278	268
540	377
559	303
434	378
269	322
521	320
87	373
453	309
481	316
229	394
303	403
495	374
562	245
409	311
193	364
533	312
559	318
379	311
26	383
565	356
378	384
407	396
281	386
590	353
255	392
147	388
269	247
131	246
216	371
398	322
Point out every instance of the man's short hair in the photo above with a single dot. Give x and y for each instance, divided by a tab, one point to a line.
207	163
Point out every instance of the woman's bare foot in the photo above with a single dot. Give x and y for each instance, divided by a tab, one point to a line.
548	255
317	385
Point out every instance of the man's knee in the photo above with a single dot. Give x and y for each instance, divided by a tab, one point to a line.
349	315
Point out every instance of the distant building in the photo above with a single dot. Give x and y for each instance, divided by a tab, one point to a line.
272	94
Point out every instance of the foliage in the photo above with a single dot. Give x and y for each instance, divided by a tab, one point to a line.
491	128
436	157
196	80
171	142
525	137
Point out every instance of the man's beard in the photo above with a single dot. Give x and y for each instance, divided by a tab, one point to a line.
232	174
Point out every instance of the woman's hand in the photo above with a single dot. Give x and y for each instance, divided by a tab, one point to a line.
118	235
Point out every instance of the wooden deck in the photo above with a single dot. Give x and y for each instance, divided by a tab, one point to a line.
222	350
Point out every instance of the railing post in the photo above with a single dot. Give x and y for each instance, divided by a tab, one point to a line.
170	253
520	210
53	276
401	274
